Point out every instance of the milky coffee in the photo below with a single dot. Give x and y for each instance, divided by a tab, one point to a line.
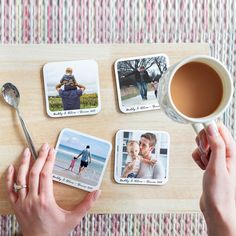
196	90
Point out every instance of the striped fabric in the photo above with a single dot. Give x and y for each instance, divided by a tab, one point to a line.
126	21
126	225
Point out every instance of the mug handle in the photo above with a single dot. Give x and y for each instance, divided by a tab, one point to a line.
200	126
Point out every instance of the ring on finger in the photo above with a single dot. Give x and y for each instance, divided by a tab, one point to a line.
18	187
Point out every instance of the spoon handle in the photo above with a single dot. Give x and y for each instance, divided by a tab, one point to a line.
27	135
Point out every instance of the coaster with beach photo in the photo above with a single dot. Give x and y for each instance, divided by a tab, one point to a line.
137	81
80	160
72	88
142	157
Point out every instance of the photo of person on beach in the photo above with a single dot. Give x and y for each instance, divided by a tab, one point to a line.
80	159
72	164
85	159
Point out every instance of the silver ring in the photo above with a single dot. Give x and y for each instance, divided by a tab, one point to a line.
17	187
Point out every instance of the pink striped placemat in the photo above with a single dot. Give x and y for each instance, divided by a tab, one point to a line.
126	21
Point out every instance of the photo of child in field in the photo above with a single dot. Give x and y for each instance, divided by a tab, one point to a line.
69	81
71	86
80	159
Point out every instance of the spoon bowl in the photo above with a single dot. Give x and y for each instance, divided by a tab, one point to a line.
11	95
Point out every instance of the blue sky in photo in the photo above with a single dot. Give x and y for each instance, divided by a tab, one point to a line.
84	71
80	141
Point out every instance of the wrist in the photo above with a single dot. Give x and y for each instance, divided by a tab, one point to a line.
221	223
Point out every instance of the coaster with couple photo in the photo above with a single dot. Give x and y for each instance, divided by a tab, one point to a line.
80	160
72	88
137	81
141	157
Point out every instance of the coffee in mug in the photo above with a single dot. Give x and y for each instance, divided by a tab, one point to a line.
196	90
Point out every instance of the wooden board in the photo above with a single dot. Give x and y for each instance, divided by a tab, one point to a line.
22	65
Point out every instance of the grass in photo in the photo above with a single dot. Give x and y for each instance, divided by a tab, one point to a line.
72	86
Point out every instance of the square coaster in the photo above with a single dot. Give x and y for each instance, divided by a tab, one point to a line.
81	160
142	157
137	81
72	88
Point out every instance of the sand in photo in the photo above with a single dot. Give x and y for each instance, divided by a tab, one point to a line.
80	159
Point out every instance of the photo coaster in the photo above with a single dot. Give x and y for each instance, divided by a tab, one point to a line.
141	157
137	80
81	160
72	88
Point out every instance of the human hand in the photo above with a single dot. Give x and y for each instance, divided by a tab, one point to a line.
153	162
58	87
130	166
128	169
150	162
35	207
81	86
219	180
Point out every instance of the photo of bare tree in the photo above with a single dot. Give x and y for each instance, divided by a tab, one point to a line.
137	81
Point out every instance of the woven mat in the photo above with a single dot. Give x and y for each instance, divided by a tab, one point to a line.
126	21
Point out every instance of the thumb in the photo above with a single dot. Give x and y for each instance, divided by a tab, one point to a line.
217	147
83	207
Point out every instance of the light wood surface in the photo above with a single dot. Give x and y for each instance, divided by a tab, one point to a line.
22	65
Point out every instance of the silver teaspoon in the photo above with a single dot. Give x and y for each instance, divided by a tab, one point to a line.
12	96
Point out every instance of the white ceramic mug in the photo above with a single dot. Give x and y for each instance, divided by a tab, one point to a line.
166	102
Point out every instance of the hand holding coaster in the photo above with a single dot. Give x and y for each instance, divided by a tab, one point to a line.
196	90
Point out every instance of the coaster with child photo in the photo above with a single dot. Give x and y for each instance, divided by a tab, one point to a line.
72	88
137	81
142	157
80	160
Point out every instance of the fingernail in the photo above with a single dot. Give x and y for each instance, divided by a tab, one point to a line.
10	168
202	146
26	152
97	194
45	147
212	130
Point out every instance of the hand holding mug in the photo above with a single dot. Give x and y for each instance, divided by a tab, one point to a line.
218	200
197	90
